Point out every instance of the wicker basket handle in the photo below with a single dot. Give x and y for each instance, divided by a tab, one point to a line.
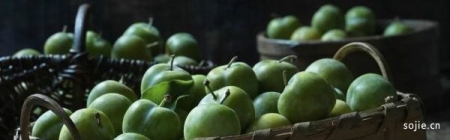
82	23
42	100
369	49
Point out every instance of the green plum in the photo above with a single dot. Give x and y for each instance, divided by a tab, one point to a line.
238	100
267	121
91	124
183	44
334	35
184	61
369	91
149	33
328	17
96	45
237	74
360	21
211	120
59	43
160	73
307	97
282	28
333	71
114	106
397	28
198	88
135	115
270	73
131	47
155	122
162	58
131	136
266	103
26	52
110	86
48	125
340	108
306	33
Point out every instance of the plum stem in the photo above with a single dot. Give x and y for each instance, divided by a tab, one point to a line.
172	58
206	83
201	63
226	96
150	21
153	44
121	79
284	78
291	57
64	29
167	98
97	118
231	61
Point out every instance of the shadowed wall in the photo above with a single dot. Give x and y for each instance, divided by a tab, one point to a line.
224	28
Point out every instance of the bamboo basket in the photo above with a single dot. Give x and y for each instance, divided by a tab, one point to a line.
66	79
386	122
412	56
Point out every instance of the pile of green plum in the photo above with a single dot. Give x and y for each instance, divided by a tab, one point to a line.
232	99
140	41
329	24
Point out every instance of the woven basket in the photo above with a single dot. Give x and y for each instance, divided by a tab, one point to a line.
44	101
412	56
386	122
66	79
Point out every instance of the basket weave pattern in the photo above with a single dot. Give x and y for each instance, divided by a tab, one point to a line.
64	78
67	78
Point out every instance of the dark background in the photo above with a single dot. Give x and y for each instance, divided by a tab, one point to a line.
223	28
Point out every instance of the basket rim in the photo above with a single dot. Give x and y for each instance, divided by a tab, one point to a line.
428	25
376	115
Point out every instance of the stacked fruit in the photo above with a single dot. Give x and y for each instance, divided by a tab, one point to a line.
329	24
231	99
140	41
